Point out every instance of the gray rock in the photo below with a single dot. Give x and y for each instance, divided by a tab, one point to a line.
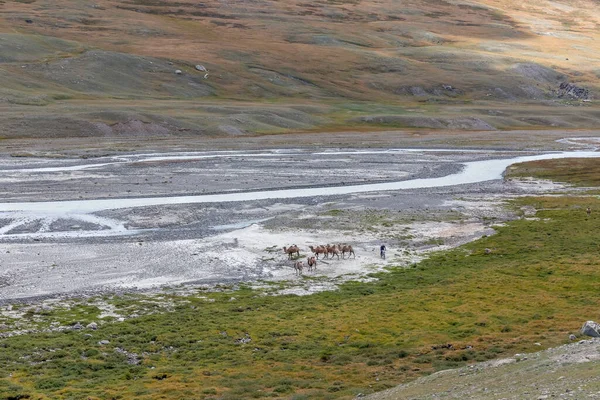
77	326
572	337
418	91
567	89
92	325
591	328
201	68
244	340
178	72
132	358
103	342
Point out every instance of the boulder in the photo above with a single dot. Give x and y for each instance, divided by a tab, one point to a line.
178	72
201	68
591	328
92	325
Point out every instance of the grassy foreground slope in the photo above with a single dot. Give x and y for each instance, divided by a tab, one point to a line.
79	68
530	285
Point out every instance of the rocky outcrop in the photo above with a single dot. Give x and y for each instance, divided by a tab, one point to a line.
569	90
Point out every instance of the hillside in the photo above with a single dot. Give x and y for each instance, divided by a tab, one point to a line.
565	371
79	68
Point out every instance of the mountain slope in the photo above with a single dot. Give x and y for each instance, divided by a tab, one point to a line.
442	57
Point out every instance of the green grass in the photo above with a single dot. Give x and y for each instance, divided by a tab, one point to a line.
537	285
576	171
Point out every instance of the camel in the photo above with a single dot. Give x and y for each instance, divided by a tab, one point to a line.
347	249
318	250
298	266
312	263
333	250
291	250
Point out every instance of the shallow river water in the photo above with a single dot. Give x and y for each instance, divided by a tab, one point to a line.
473	172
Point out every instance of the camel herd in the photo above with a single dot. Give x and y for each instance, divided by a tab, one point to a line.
327	251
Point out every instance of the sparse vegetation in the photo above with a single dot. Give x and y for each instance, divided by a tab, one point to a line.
433	65
74	69
536	286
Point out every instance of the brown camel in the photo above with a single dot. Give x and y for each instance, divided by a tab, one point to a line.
318	250
298	266
290	251
347	249
333	250
312	263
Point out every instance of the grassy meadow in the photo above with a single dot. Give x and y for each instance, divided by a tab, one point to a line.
575	171
527	287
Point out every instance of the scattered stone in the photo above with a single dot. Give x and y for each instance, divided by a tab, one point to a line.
178	72
29	21
132	358
87	335
572	337
488	251
244	340
92	326
591	328
104	342
77	326
201	68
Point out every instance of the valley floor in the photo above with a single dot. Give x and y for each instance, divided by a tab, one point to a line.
125	221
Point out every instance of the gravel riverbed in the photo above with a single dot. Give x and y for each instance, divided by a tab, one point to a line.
70	248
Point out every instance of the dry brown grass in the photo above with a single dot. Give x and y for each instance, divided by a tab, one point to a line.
342	47
412	65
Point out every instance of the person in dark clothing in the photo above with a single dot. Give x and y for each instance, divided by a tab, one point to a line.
382	250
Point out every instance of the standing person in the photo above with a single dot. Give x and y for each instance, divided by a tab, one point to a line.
382	250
